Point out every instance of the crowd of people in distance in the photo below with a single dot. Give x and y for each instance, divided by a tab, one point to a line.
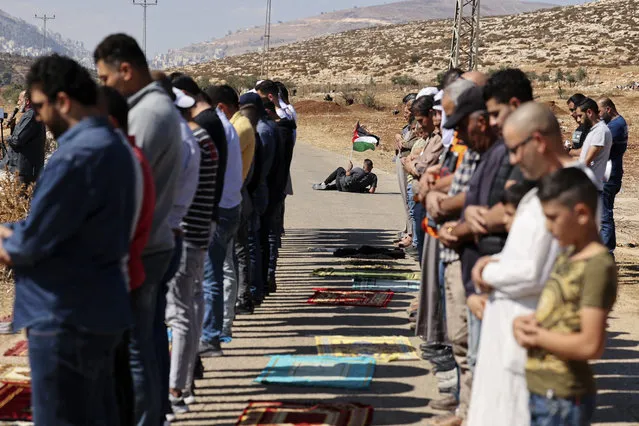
514	231
163	204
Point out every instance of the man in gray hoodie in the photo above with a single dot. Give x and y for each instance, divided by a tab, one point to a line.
155	125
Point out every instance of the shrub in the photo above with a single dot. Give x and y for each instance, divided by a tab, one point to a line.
404	80
415	58
369	100
559	76
581	74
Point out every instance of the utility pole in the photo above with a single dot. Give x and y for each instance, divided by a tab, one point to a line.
267	40
144	4
464	50
44	18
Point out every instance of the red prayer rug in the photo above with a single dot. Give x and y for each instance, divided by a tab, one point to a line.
21	348
326	296
300	414
15	402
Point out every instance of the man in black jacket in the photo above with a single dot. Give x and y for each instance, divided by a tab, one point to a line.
26	146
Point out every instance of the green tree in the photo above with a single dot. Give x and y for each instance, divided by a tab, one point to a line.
559	76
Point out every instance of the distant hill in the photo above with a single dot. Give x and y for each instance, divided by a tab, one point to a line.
602	34
251	39
19	37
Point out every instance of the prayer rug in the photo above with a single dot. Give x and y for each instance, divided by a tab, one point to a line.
326	296
15	375
397	286
363	273
319	371
370	252
19	349
15	402
297	414
383	349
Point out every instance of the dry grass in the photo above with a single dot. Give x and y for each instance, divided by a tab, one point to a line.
14	206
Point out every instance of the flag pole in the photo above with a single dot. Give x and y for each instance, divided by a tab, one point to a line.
351	157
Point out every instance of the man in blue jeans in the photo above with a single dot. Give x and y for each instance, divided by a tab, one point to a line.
154	122
619	129
69	254
220	278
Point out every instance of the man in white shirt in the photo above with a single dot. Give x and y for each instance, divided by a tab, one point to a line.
596	149
515	277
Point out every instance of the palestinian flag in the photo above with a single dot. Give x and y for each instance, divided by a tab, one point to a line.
364	140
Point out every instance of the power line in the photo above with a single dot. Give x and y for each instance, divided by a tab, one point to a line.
267	40
44	18
144	4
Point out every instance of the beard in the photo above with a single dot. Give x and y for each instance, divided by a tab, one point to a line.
587	123
57	126
606	117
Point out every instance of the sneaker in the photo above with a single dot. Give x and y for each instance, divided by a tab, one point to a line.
189	398
447	381
178	405
168	419
245	308
319	186
446	403
210	350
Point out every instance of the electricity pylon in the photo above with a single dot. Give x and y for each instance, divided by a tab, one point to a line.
464	51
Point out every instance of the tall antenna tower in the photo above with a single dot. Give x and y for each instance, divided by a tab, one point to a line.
464	51
267	40
144	4
44	18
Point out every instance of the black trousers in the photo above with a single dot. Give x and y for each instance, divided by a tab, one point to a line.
334	180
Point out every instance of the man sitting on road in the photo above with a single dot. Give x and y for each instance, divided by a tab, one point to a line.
352	180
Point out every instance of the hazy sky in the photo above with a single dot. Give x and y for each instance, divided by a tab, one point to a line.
172	23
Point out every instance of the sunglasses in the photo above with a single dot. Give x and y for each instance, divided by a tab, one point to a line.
514	149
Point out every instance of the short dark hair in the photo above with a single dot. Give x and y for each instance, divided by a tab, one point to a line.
223	94
116	106
569	186
268	87
587	104
187	84
283	92
368	163
118	48
450	76
55	74
576	99
516	192
423	105
507	84
409	97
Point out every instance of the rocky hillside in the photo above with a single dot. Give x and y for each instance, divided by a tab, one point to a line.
251	39
18	37
604	34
